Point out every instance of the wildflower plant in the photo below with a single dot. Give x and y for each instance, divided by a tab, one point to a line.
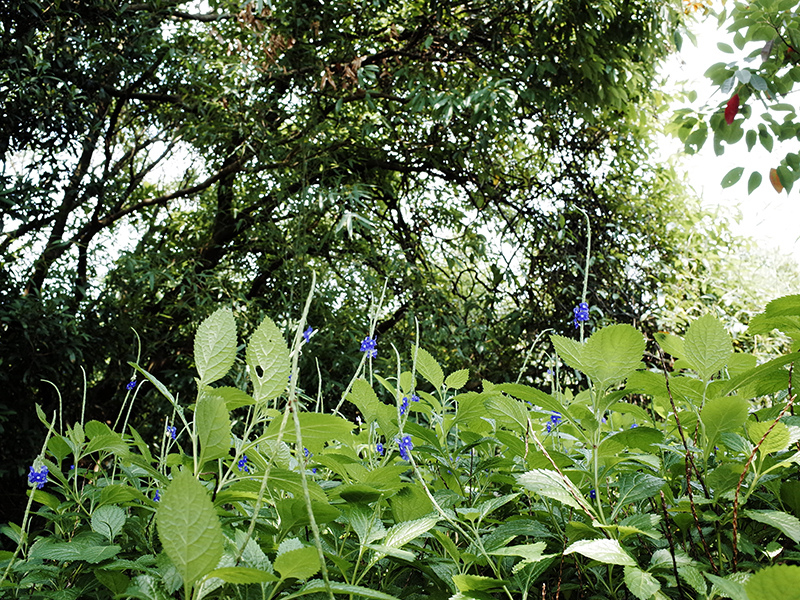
699	500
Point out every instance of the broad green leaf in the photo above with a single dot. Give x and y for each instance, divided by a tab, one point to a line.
634	487
317	586
268	361
215	346
606	551
694	578
429	368
530	394
773	582
777	440
299	563
550	485
530	552
364	522
108	520
784	306
189	528
732	176
754	181
613	353
570	351
641	583
671	344
234	397
294	512
786	523
492	504
241	575
727	587
316	428
364	397
466	583
116	581
86	548
707	346
723	414
402	533
507	412
213	426
457	379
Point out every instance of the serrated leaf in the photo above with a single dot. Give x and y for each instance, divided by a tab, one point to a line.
215	346
707	346
530	394
189	528
242	575
777	440
429	368
775	581
108	521
508	412
300	563
606	551
570	351
317	586
732	176
316	429
723	414
457	379
727	587
550	485
613	353
268	361
213	427
234	397
788	524
641	583
634	487
402	533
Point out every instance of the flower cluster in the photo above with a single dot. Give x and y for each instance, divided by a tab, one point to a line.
157	496
172	431
405	446
243	464
581	313
39	478
379	448
369	345
592	494
131	385
404	403
307	333
555	419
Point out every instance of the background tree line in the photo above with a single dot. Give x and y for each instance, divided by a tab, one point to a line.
160	159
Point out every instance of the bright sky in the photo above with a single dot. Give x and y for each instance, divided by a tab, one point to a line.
769	217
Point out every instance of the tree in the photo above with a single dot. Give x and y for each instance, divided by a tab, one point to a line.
768	33
161	161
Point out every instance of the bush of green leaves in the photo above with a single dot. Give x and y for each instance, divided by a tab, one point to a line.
673	482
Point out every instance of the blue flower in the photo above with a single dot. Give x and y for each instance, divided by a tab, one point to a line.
173	432
131	385
368	345
157	496
306	453
243	464
307	333
592	494
555	418
38	478
634	425
405	446
414	398
379	448
581	313
404	406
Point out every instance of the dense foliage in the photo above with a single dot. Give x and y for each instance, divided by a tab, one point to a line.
621	482
755	87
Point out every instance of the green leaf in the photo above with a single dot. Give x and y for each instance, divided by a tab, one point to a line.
108	521
213	426
268	362
457	379
530	552
732	177
671	344
215	346
81	548
784	306
507	412
429	368
775	581
241	575
550	484
606	551
641	583
613	353
364	397
788	524
727	413
316	428
466	583
402	533
570	351
634	487
300	563
317	586
189	529
777	440
234	397
530	394
727	587
707	346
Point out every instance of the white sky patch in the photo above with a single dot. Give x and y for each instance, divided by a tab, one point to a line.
768	217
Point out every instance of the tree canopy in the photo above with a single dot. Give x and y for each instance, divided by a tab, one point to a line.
160	159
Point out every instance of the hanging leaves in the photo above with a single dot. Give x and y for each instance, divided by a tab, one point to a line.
731	109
